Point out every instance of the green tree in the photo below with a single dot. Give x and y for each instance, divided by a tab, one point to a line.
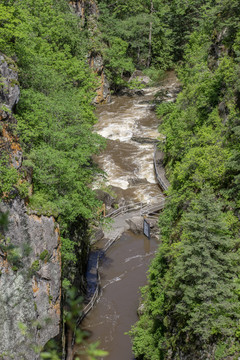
55	115
202	298
193	300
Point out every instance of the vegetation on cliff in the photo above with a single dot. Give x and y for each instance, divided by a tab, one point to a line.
46	44
192	300
144	34
55	115
191	305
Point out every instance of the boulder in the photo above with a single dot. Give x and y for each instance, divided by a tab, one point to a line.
140	77
105	197
136	224
140	310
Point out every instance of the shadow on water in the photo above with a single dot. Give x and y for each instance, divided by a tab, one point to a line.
122	271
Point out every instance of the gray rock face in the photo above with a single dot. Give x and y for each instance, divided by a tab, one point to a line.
88	11
140	77
103	90
9	89
136	224
85	8
30	282
9	97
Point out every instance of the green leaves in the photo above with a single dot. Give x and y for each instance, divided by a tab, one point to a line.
55	115
8	29
93	351
8	174
205	291
191	307
117	61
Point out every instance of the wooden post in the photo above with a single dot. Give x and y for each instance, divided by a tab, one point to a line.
102	209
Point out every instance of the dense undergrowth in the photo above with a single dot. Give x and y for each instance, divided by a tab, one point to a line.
192	300
50	45
143	34
55	115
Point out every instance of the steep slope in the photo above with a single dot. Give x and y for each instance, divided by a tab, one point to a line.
52	127
192	301
88	12
30	259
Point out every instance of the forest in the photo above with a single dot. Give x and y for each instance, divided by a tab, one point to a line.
192	300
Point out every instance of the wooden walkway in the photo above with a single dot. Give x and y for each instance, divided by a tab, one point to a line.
159	169
119	225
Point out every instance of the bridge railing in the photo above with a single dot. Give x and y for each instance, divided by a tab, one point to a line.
111	241
153	208
129	208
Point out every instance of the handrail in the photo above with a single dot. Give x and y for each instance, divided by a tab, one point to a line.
110	242
91	303
124	209
128	208
153	208
162	183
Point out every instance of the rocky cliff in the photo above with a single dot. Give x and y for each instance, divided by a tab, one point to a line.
88	11
103	89
30	261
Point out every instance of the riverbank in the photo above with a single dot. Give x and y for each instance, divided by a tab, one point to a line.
131	174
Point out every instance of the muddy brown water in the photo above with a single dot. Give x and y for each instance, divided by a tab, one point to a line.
129	165
123	271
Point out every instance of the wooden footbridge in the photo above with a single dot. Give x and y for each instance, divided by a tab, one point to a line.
138	208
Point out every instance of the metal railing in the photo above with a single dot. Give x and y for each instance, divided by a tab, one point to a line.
111	241
91	303
153	208
130	207
164	185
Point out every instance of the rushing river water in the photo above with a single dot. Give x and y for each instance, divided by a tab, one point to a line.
129	165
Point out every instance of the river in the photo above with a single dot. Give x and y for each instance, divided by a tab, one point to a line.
129	165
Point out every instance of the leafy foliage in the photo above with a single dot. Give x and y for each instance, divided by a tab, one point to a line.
155	31
8	174
192	300
55	115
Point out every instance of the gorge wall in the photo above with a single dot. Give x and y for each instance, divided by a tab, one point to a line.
30	259
88	11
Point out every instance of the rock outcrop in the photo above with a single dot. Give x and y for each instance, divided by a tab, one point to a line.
30	259
9	97
103	90
88	12
9	89
30	282
85	8
140	78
